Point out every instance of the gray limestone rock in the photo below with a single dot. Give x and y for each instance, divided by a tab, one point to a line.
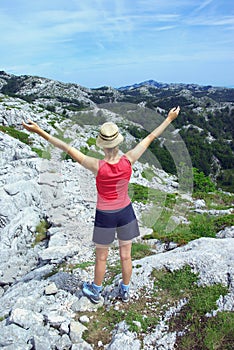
76	331
26	318
57	253
64	343
12	334
84	304
51	289
228	232
83	345
41	343
211	258
124	339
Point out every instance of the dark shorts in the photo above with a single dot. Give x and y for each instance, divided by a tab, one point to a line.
108	222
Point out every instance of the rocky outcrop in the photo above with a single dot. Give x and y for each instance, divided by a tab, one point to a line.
38	301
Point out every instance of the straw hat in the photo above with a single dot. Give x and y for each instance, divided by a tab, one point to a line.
109	136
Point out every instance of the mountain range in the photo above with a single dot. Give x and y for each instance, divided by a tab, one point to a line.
205	123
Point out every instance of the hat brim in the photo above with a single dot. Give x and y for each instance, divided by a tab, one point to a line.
109	144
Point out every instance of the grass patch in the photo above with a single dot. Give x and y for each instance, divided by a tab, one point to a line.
91	141
140	250
104	321
174	283
45	154
216	200
219	331
159	215
112	271
41	232
200	329
201	332
143	194
91	153
88	118
2	318
19	135
148	174
223	221
201	225
84	265
169	288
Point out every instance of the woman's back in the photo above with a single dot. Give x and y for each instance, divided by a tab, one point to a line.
112	184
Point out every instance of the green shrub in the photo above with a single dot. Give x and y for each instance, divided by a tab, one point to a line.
223	221
45	154
202	226
148	174
91	141
202	183
41	231
140	250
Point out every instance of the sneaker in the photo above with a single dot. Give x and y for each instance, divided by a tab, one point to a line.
124	294
91	292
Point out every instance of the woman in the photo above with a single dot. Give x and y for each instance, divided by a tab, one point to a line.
114	212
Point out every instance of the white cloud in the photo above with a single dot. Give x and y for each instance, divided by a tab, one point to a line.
204	4
211	21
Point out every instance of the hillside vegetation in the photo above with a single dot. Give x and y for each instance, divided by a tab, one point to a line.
205	123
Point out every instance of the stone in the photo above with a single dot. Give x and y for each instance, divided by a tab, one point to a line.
64	328
26	318
58	239
51	289
84	319
84	304
211	258
64	343
83	345
55	320
76	331
41	343
13	335
58	252
228	232
199	203
124	341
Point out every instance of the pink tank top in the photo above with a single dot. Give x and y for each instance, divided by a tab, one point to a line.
112	184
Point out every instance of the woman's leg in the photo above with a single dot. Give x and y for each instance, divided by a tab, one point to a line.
100	264
126	260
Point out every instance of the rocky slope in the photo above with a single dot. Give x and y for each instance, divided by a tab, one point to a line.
41	305
38	311
205	123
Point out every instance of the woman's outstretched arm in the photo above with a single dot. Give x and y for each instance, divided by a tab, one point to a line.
86	161
134	154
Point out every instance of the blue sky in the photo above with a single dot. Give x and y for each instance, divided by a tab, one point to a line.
119	42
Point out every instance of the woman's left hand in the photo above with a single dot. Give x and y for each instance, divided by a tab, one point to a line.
31	126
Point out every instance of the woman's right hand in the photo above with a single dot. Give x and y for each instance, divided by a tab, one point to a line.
31	126
173	113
